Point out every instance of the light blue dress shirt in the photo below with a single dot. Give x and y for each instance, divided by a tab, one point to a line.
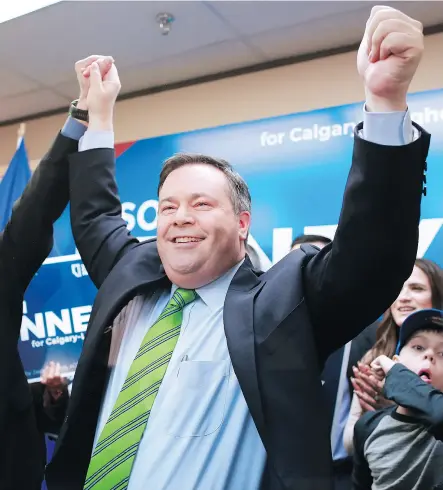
341	418
200	434
386	128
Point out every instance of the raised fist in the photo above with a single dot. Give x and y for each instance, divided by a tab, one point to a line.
388	58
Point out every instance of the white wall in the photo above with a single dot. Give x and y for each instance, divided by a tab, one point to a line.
300	87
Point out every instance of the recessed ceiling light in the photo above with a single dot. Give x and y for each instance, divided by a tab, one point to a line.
165	21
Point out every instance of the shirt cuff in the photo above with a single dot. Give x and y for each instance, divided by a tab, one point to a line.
96	139
388	128
73	129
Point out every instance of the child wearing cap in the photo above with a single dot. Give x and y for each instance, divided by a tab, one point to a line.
401	447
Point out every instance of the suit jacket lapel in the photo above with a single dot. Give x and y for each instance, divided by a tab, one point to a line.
132	276
238	317
131	280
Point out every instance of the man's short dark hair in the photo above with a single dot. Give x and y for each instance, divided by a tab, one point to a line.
240	196
310	239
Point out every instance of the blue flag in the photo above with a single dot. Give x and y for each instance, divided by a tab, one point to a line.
13	183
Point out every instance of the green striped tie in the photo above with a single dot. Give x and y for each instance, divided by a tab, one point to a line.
113	457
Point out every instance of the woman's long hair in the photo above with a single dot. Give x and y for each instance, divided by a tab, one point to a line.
387	331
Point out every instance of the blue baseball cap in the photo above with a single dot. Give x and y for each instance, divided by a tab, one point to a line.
419	320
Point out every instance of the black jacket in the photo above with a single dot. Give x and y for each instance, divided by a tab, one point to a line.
24	244
280	326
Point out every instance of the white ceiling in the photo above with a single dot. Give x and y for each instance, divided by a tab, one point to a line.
38	50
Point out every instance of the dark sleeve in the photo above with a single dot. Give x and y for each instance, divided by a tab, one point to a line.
361	474
28	236
49	416
406	389
377	231
100	233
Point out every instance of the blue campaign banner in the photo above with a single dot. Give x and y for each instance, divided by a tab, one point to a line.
55	316
296	167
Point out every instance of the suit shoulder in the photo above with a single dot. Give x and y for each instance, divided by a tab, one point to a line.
146	244
295	259
152	240
145	249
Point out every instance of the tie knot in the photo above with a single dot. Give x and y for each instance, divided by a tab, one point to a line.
183	297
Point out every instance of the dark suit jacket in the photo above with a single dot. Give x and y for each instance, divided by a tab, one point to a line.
24	244
280	326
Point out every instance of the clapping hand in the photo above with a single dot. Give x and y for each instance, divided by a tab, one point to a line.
368	385
53	380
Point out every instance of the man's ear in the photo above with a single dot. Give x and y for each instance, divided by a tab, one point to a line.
244	223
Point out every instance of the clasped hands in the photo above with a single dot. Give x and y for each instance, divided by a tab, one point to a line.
99	85
368	383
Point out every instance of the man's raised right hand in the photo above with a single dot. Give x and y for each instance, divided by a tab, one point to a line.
102	94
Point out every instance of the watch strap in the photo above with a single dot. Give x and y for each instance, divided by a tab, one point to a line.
76	113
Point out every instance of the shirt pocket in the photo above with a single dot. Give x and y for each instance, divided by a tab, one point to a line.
198	398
